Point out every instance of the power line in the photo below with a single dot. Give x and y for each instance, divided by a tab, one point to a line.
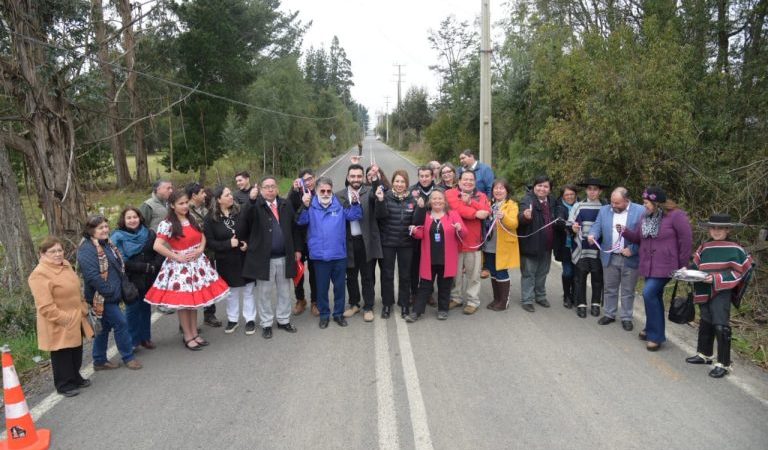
172	83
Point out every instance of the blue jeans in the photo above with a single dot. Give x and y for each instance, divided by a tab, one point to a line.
653	297
112	319
490	263
327	272
139	317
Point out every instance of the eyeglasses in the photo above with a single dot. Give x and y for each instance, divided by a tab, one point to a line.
325	191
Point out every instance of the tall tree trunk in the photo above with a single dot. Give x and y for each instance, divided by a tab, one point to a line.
49	140
129	44
14	231
722	36
113	112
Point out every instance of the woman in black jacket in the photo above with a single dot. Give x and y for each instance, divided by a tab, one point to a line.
562	244
135	240
394	211
229	255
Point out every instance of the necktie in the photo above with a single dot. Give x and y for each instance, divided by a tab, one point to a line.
273	207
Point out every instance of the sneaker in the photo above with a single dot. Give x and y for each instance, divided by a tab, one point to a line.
250	327
133	364
528	307
442	315
412	317
231	327
212	321
368	316
470	309
455	304
354	309
106	366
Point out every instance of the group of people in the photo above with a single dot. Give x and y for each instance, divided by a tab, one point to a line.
451	228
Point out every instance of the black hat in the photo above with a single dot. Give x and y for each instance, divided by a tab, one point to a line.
720	220
593	182
655	194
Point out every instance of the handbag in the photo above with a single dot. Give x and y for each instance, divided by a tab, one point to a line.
94	321
130	291
681	309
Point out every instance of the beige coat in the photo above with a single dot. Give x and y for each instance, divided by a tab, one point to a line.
61	310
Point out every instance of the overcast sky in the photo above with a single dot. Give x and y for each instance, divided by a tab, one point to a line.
379	34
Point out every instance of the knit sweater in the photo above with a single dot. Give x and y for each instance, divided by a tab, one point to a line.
726	261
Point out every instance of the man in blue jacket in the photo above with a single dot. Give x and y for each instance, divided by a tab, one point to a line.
326	219
621	262
483	173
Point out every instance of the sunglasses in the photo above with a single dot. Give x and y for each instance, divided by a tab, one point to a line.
325	191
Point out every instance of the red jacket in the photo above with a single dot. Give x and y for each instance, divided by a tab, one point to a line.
471	241
452	245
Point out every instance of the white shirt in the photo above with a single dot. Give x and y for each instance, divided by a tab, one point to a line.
354	226
619	219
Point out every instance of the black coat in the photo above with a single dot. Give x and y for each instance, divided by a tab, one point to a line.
395	216
562	253
368	224
143	267
256	229
227	260
534	246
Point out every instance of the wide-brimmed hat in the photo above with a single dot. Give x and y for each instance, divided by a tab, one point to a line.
655	194
720	220
592	181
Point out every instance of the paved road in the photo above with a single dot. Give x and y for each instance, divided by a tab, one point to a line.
546	380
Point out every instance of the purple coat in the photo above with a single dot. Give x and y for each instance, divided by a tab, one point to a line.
669	250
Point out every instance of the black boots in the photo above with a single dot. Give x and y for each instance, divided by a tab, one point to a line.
723	364
704	345
567	292
707	334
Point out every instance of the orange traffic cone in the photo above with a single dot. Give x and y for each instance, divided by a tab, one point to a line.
21	429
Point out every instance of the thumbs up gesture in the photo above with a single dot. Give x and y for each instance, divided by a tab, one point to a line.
528	213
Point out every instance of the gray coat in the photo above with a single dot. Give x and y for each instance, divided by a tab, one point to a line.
154	211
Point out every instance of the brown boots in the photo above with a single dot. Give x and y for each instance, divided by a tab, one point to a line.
500	295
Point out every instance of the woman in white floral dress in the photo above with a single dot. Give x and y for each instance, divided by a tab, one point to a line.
186	281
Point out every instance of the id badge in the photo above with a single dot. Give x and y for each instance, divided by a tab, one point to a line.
437	237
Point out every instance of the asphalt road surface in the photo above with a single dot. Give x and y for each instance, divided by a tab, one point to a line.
547	380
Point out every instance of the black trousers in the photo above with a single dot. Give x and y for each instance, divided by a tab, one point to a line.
444	286
403	256
299	289
364	270
66	368
415	261
588	267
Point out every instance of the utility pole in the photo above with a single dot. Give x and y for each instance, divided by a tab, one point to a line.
485	83
386	118
399	82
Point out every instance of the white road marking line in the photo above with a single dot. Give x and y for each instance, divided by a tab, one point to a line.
387	417
54	397
341	158
421	437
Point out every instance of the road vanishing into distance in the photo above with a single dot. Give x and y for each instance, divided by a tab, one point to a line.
494	380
